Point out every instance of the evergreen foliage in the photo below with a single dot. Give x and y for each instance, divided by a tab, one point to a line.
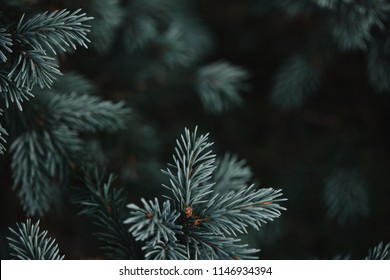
50	143
295	81
2	132
30	50
196	222
346	196
107	84
345	26
231	173
28	242
107	15
165	43
106	207
378	63
379	252
218	85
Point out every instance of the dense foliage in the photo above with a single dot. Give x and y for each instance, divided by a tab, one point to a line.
294	94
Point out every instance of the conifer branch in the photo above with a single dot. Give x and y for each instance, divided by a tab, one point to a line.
218	85
52	142
2	140
231	173
206	245
35	161
166	251
352	22
11	92
5	44
28	242
232	213
106	206
378	58
295	81
34	67
192	170
154	223
73	82
54	31
200	219
346	196
87	113
30	47
379	252
107	17
2	132
185	40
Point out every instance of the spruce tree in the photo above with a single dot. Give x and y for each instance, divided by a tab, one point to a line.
292	92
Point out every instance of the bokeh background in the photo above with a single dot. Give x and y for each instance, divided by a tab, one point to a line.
329	154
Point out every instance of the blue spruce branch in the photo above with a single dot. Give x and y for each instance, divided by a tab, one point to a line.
106	206
5	44
196	221
30	48
28	242
54	31
51	143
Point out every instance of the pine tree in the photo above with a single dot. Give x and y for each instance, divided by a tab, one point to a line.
289	85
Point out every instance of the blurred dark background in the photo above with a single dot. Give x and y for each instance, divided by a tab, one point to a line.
343	125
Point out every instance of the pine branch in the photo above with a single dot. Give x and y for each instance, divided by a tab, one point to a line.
11	92
232	213
142	23
379	252
107	17
34	67
106	206
346	196
192	170
199	217
231	173
185	42
52	142
73	82
378	65
5	44
296	80
218	85
153	223
166	28
2	132
54	31
35	161
351	24
2	148
28	242
166	251
87	113
210	246
30	49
